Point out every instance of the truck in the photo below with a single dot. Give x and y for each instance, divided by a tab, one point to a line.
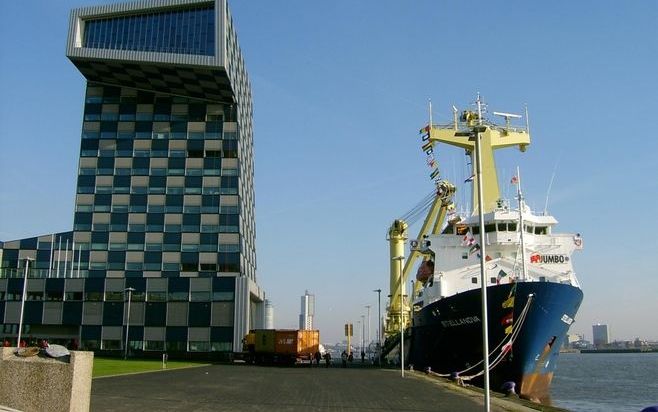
280	346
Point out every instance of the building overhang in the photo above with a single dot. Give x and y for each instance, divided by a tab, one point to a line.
192	75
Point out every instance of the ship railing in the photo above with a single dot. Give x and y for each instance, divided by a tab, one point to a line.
463	127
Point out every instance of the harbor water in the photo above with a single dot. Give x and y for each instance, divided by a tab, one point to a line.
591	382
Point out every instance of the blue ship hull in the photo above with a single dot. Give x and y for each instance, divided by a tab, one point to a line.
447	334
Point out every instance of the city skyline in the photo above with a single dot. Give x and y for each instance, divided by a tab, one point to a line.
339	101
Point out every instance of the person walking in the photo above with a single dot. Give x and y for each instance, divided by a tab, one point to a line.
343	358
327	359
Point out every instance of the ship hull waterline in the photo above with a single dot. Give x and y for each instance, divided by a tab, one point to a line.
446	335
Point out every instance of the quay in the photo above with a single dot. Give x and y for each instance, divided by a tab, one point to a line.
257	388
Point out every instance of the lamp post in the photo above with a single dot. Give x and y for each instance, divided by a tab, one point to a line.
379	325
20	321
483	254
368	328
130	293
400	259
363	334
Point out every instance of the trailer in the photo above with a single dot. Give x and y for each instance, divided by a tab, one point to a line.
281	346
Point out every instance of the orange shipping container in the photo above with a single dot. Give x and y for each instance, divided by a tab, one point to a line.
297	342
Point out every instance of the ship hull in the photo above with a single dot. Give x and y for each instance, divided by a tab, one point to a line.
446	335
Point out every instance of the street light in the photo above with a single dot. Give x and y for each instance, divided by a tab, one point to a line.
363	334
130	293
368	328
20	321
400	259
379	326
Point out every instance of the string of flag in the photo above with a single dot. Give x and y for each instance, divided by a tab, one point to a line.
507	320
428	149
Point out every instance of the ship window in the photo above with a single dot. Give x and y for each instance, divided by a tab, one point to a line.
511	227
540	230
474	280
475	230
528	229
502	227
493	280
490	228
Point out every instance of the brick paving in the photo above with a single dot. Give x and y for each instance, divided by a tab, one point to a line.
255	388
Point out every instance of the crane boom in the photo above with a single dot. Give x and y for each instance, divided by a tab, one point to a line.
397	235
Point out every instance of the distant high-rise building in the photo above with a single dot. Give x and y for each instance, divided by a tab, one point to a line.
600	335
307	311
269	315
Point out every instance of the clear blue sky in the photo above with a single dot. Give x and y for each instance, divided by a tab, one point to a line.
341	89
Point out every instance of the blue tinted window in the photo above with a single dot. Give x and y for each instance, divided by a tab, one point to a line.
190	31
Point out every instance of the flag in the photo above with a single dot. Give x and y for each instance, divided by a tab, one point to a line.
515	180
470	179
508	330
425	129
474	249
487	258
506	347
501	274
507	319
427	146
468	239
509	302
434	173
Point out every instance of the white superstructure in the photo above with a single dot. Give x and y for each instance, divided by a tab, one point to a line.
455	253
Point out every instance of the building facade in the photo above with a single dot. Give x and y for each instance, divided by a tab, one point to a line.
164	201
600	335
307	311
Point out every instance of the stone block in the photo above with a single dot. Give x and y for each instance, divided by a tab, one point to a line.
40	383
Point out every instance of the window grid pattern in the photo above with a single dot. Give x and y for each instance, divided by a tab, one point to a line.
189	31
179	313
158	175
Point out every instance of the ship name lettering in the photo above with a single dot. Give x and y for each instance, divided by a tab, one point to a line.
537	258
459	322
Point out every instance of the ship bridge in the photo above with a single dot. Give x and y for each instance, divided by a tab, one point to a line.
456	250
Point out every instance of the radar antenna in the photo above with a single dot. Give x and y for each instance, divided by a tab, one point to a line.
507	117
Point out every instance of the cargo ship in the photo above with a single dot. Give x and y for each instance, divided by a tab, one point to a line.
532	293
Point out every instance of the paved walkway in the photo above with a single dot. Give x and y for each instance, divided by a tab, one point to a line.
255	388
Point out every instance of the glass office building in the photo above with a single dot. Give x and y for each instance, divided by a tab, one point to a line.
164	202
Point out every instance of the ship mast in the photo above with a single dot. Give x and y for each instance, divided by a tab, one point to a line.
493	137
519	194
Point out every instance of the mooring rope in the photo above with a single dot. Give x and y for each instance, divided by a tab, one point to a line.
515	333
